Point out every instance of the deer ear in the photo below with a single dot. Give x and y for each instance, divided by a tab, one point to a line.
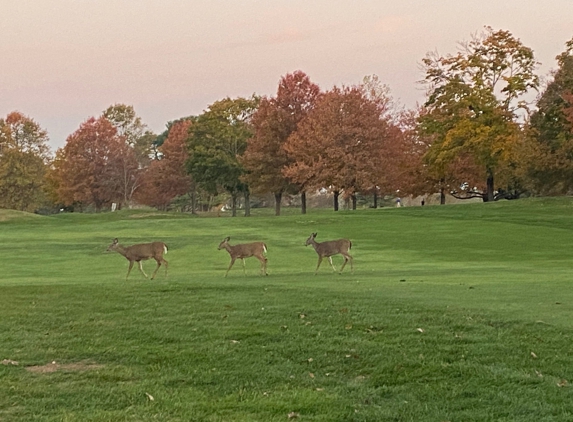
227	238
115	240
314	234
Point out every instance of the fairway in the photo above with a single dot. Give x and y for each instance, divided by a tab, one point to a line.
452	313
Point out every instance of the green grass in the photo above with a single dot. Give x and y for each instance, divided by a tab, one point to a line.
453	313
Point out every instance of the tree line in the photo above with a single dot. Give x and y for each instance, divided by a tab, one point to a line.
489	128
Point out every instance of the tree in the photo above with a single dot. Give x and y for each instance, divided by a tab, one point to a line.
274	121
135	133
91	164
340	144
475	102
167	178
24	154
139	139
217	139
551	162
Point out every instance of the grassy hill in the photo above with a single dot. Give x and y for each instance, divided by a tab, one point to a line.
459	312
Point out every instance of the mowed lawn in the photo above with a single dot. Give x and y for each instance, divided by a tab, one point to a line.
453	313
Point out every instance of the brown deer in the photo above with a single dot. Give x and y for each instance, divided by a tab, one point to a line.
141	252
330	248
245	250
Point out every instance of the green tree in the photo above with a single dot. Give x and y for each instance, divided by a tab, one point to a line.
475	103
217	139
552	158
24	155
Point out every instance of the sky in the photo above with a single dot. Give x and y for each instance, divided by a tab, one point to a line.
64	61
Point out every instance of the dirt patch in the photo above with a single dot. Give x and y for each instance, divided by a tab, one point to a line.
70	367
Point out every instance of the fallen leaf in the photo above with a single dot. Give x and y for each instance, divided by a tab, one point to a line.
309	360
562	383
149	396
348	326
9	362
302	316
533	355
235	341
539	374
420	330
310	374
293	415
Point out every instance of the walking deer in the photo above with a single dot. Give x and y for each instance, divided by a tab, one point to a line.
245	250
330	248
141	252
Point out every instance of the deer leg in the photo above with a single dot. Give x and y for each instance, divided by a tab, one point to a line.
263	261
166	265
347	258
141	269
244	267
230	265
318	265
157	268
129	269
331	264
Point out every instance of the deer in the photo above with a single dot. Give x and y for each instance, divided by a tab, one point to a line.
141	252
245	250
329	248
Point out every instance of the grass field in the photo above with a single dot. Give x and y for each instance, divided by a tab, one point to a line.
453	313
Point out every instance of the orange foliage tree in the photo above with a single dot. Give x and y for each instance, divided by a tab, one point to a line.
167	178
341	145
273	122
90	168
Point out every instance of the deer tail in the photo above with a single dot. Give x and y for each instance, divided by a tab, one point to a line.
350	247
164	248
264	248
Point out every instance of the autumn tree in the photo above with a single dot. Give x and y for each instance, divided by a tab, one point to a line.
139	139
24	155
340	144
217	139
89	168
551	162
274	121
475	101
167	177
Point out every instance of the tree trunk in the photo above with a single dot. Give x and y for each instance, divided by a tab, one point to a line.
247	195
489	190
336	193
353	197
375	199
303	202
193	199
442	196
234	204
278	199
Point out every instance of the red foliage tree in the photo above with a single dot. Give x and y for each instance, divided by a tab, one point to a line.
343	144
167	178
273	122
91	166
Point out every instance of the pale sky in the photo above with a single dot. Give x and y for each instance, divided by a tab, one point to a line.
63	61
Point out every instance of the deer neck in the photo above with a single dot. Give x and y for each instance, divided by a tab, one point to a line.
314	244
121	250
